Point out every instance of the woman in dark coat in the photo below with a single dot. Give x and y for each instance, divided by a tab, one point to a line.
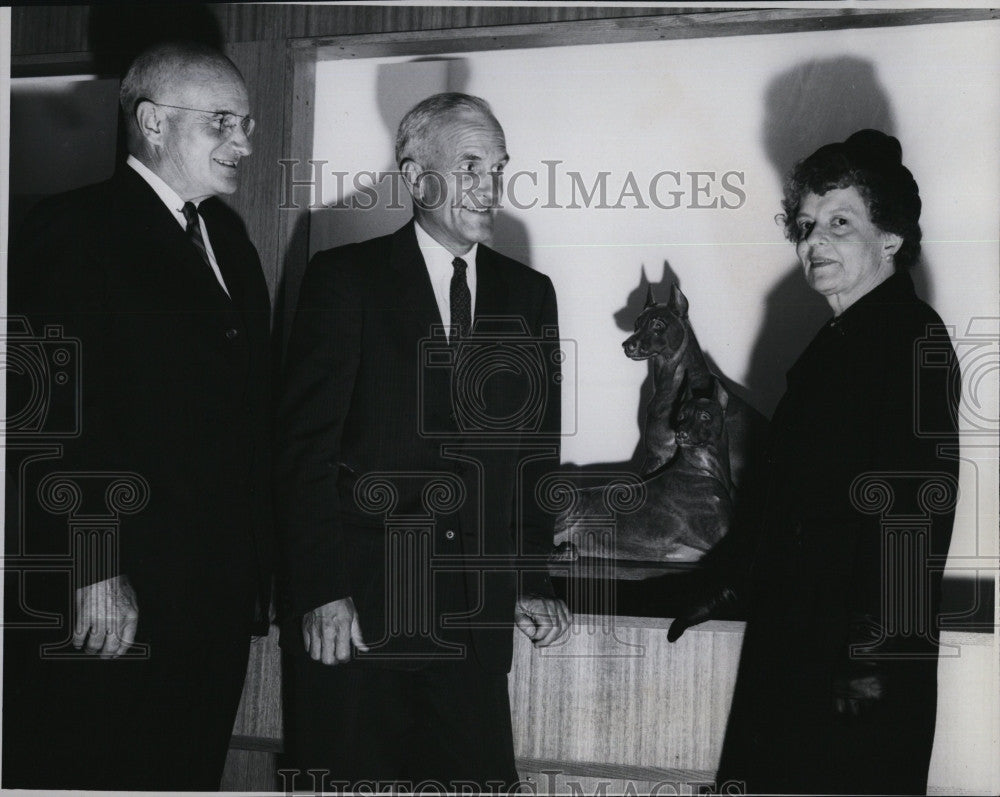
837	684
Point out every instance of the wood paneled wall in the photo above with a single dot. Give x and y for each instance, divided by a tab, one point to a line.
612	701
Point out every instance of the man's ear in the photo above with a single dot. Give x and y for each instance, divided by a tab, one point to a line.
411	177
150	122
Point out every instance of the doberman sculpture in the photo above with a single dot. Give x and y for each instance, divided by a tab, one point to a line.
698	440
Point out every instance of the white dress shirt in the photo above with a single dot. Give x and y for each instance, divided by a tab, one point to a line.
175	204
440	270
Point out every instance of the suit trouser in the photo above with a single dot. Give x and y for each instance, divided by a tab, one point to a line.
446	723
163	723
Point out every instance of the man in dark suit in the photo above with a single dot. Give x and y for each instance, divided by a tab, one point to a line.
161	486
421	409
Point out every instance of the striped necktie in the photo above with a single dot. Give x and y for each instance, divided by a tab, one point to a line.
461	301
194	230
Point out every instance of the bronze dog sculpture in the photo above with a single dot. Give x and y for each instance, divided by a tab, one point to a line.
663	335
698	442
677	514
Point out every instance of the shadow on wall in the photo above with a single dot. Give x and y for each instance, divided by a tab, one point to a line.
807	106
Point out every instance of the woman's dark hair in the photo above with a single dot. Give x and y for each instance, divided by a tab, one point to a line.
872	162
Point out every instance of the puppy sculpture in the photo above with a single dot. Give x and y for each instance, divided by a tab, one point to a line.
683	509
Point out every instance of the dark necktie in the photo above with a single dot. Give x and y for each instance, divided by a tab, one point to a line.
194	230
461	301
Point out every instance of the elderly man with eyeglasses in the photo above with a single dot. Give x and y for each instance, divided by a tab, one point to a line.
157	292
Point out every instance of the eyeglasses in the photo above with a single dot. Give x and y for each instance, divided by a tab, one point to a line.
225	121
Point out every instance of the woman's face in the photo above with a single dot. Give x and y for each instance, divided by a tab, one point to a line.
844	255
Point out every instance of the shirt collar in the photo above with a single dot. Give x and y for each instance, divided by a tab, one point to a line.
167	195
436	257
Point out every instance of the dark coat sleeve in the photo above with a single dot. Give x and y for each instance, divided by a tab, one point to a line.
910	473
323	357
59	298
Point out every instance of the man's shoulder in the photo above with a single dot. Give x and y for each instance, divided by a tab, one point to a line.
358	254
94	208
513	271
84	203
357	268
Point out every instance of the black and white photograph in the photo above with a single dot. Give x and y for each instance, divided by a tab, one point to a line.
501	397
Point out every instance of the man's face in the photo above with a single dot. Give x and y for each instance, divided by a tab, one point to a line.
197	158
460	188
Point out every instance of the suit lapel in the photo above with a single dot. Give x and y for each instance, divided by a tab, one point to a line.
491	290
156	230
414	283
227	251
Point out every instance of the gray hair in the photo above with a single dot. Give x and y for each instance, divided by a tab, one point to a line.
160	67
421	122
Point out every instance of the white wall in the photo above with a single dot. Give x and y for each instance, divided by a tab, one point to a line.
754	105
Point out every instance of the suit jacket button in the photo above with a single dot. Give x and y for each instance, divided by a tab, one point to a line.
449	534
232	333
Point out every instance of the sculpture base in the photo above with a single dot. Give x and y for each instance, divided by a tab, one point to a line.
619	569
627	588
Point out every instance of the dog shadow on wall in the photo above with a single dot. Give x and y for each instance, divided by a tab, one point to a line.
625	318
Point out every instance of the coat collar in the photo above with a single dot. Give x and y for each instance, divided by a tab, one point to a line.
861	320
154	227
897	289
415	284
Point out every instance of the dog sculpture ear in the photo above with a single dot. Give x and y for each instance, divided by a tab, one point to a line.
650	299
721	394
678	302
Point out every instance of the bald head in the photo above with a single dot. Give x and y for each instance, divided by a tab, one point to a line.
167	73
188	118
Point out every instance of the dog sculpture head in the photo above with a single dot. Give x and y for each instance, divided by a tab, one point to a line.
701	421
661	330
702	442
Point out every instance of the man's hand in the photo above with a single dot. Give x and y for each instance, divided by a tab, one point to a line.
106	617
329	631
543	620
